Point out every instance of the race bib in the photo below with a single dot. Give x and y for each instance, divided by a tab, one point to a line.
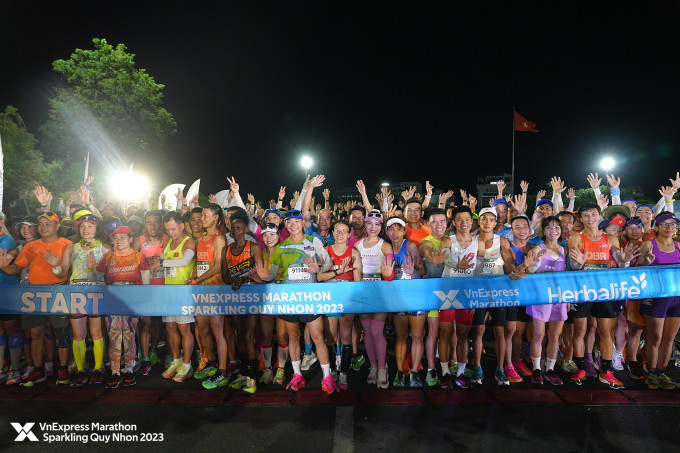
298	273
202	267
82	282
171	272
371	278
594	267
490	268
399	274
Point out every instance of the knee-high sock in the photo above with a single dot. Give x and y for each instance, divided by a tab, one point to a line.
369	342
16	343
266	351
79	348
379	342
98	353
282	355
345	357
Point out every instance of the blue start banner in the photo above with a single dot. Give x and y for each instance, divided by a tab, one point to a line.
359	297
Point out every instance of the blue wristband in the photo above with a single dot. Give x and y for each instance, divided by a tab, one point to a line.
616	192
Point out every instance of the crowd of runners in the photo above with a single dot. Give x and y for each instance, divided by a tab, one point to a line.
397	237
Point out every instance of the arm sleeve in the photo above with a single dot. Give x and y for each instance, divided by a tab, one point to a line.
557	202
238	201
180	262
298	204
659	206
570	208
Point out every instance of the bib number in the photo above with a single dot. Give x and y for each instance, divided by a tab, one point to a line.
202	267
171	272
298	273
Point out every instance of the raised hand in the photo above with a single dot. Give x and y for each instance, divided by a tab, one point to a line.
89	180
524	185
418	196
212	198
194	200
42	194
571	193
91	261
465	262
296	196
326	194
411	191
667	192
5	258
630	252
612	181
603	201
676	182
387	269
233	185
52	259
463	195
532	257
316	181
361	187
541	193
282	192
501	187
472	203
345	266
84	194
445	196
305	186
311	263
162	201
407	267
379	198
251	198
428	188
649	259
180	195
594	180
557	184
578	256
519	203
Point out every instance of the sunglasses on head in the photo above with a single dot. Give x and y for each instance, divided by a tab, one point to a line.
292	213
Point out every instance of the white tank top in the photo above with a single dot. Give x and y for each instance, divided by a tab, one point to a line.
371	258
456	253
493	261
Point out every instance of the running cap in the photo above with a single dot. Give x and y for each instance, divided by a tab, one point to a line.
616	221
651	208
490	210
394	220
293	214
543	201
121	230
664	217
91	218
81	212
475	216
500	201
134	218
27	221
374	214
635	221
613	211
629	199
272	211
49	215
269	228
112	225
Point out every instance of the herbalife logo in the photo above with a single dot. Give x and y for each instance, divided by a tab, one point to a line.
24	432
615	291
449	299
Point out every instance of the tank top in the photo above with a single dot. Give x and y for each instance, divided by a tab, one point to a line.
661	258
371	260
493	261
399	259
205	258
551	264
239	266
597	252
79	271
519	255
151	251
177	275
456	253
417	235
436	243
337	263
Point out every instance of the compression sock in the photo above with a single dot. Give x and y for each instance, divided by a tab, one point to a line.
16	343
98	349
79	348
266	351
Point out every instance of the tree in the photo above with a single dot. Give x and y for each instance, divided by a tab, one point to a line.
23	163
107	107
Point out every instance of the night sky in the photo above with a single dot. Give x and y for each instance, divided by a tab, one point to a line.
378	92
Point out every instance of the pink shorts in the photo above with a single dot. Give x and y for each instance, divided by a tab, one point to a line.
548	312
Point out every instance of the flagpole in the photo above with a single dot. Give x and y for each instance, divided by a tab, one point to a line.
512	177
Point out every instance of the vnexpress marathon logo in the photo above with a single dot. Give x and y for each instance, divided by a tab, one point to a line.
615	291
490	298
84	433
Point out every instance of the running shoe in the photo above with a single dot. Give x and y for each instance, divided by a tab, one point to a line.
522	368
35	377
267	376
512	375
569	366
296	383
232	368
463	382
342	381
578	377
447	381
635	370
250	386
183	372
207	372
113	381
27	372
617	360
501	377
280	377
399	380
308	360
383	381
357	362
652	381
590	368
145	368
49	369
453	368
414	380
96	378
478	376
129	379
154	359
431	378
372	375
239	382
79	380
13	377
468	373
609	378
216	380
329	386
3	374
172	369
665	382
63	376
537	377
552	377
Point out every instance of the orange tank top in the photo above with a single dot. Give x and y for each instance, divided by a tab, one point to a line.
597	252
239	266
205	258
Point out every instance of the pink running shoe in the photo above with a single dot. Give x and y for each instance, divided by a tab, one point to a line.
296	383
512	375
329	386
522	368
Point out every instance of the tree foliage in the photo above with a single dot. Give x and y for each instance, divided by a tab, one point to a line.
107	107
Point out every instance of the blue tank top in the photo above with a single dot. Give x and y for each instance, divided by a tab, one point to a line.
519	255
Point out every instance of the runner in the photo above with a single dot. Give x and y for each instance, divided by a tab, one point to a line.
178	264
123	266
9	323
661	315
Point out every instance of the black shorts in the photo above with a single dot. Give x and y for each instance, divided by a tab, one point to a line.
597	309
298	318
9	317
517	314
83	316
497	315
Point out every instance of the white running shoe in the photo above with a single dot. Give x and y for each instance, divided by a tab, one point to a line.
308	360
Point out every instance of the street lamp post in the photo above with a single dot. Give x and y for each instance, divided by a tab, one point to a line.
607	163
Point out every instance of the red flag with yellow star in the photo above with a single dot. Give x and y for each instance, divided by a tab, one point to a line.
524	125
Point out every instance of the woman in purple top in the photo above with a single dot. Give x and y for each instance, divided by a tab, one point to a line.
547	257
662	315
